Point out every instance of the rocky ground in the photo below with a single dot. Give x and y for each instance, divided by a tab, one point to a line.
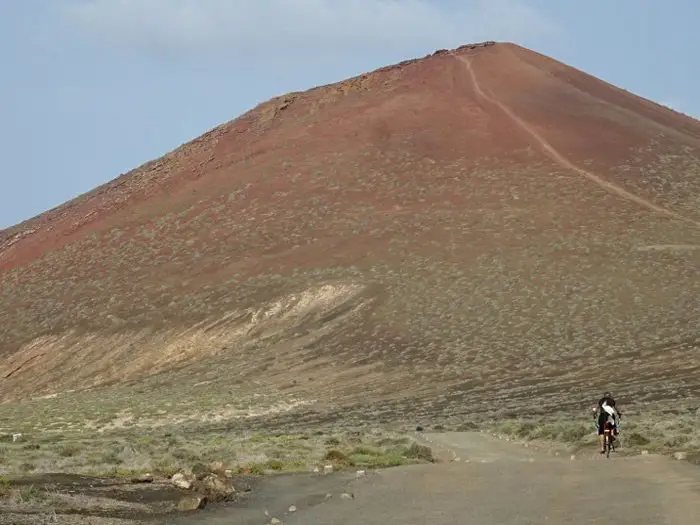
261	492
122	486
476	478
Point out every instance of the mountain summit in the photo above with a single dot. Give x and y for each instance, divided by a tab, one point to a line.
485	222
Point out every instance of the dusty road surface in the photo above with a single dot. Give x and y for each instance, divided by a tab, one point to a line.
493	483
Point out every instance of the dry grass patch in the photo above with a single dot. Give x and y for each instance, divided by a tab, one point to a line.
663	433
126	452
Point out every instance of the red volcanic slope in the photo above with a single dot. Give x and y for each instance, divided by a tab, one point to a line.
539	86
467	175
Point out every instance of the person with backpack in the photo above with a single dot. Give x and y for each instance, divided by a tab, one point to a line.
605	412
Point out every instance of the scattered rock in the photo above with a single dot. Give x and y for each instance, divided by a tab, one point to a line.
16	437
292	508
317	470
182	481
329	495
645	452
419	429
680	455
192	502
275	521
573	457
217	466
360	473
346	495
144	478
217	487
328	469
228	473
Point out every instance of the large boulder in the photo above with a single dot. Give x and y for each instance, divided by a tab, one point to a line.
217	487
192	502
183	480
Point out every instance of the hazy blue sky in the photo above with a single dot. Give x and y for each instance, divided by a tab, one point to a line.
92	88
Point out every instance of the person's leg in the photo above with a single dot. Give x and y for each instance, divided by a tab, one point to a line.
601	435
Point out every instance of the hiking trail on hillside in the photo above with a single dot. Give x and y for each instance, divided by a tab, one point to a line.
558	157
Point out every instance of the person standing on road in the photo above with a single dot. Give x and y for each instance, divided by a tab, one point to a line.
604	412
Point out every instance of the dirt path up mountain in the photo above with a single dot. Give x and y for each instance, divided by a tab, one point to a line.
555	155
494	483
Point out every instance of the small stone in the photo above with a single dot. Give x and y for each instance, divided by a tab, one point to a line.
16	437
329	495
181	481
317	470
346	495
360	473
573	457
275	521
228	473
645	452
144	478
328	469
680	455
191	502
292	508
457	459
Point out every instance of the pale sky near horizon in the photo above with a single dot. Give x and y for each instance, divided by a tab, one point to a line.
93	88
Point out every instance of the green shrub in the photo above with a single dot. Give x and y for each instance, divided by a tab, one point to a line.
165	467
525	430
338	457
257	469
363	450
274	464
5	487
571	434
636	439
69	451
417	451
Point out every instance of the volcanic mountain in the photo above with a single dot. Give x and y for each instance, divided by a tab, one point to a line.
481	229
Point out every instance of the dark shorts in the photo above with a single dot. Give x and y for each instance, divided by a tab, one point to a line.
601	426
